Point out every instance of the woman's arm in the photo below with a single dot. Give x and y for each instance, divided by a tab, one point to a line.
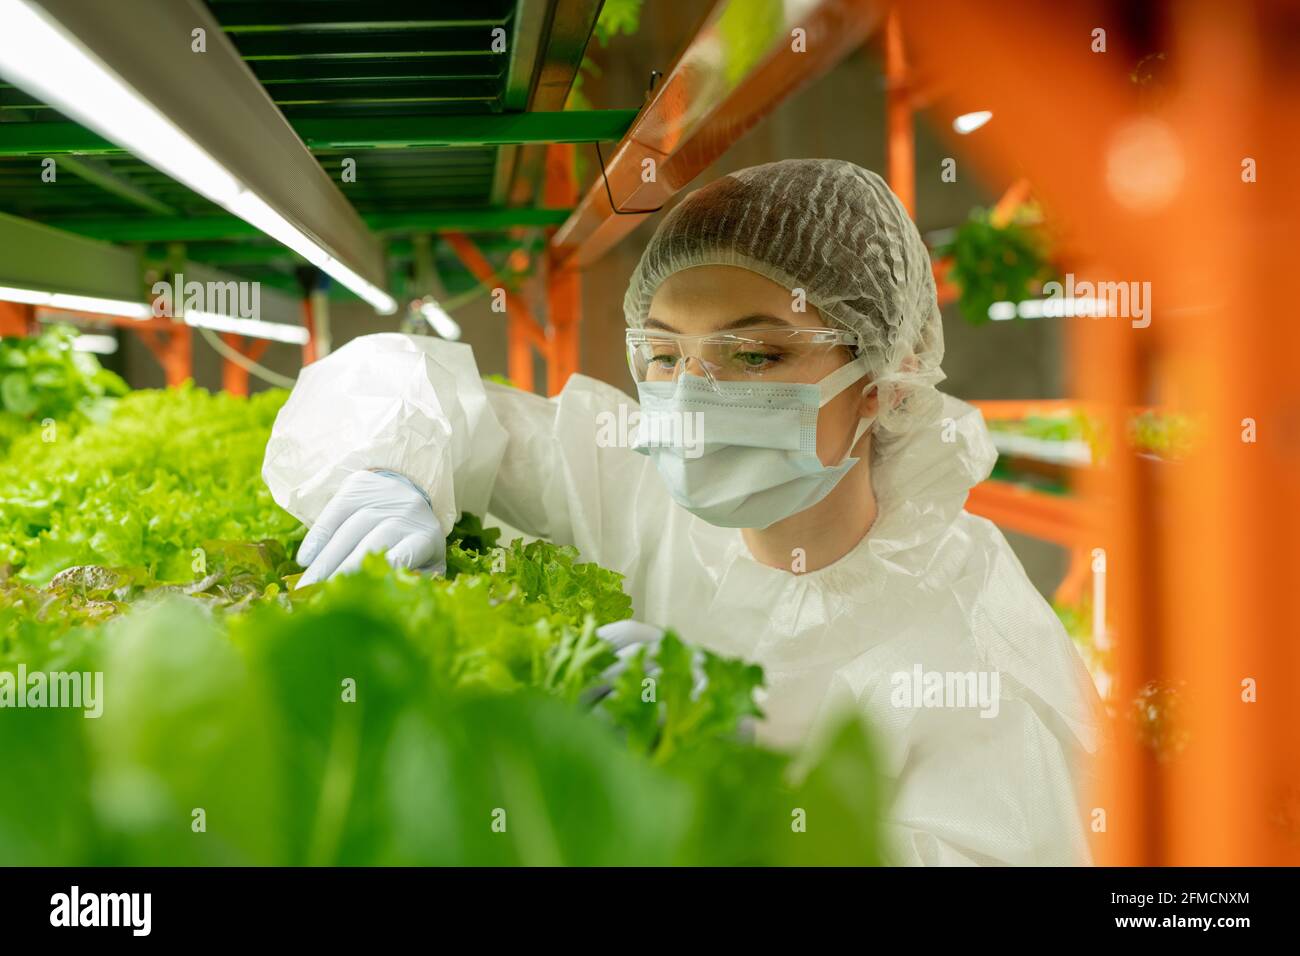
1003	791
553	468
400	403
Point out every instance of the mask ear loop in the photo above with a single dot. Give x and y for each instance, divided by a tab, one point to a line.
838	381
841	378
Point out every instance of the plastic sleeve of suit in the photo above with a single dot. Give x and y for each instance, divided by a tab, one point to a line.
417	406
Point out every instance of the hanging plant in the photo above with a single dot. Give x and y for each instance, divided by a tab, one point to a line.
617	17
995	263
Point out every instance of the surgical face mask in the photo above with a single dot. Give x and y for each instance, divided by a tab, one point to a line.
756	459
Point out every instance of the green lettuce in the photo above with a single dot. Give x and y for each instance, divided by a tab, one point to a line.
169	472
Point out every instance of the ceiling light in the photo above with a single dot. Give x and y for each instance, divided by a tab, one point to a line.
252	328
99	344
439	320
970	122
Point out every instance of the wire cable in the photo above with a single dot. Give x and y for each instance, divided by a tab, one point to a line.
246	363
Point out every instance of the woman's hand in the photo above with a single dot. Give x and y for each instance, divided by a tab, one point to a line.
373	511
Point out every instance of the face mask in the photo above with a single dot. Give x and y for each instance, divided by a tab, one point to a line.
754	458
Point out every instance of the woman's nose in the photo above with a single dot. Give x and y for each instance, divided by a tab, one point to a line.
693	365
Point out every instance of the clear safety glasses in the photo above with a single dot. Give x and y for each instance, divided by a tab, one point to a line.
781	354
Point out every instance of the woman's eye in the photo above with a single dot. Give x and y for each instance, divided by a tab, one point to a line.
757	360
667	361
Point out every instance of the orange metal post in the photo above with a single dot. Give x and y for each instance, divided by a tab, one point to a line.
1072	588
564	306
901	159
172	345
309	320
1199	554
519	357
1000	408
17	319
522	329
563	282
234	377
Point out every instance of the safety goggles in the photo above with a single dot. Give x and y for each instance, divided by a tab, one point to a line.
781	354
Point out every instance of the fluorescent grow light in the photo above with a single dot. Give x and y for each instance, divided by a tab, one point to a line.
1050	308
252	328
76	303
98	344
439	320
39	56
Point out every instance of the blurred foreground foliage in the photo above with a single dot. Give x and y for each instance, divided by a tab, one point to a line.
383	717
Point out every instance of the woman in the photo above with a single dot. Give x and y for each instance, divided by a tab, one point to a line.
794	496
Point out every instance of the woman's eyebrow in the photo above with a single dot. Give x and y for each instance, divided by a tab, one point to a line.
746	322
751	320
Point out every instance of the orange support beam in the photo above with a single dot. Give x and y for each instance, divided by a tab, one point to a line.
564	307
309	320
1200	555
522	330
563	282
17	319
1062	519
1000	408
1078	577
172	345
234	377
733	73
171	342
900	136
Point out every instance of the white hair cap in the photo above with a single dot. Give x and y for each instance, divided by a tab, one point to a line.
834	230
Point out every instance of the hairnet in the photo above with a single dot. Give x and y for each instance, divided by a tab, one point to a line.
834	230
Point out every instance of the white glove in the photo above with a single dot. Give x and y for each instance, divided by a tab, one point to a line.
627	635
373	511
626	638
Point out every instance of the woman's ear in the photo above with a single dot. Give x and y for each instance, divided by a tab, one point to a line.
869	402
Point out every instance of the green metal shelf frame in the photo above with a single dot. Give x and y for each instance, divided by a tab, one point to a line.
398	132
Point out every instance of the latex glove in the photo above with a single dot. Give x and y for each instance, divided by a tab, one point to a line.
373	511
626	638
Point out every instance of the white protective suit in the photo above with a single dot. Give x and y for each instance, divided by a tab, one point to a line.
930	585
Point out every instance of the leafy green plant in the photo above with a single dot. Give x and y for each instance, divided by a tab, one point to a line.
617	17
384	717
168	472
43	378
677	715
992	263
